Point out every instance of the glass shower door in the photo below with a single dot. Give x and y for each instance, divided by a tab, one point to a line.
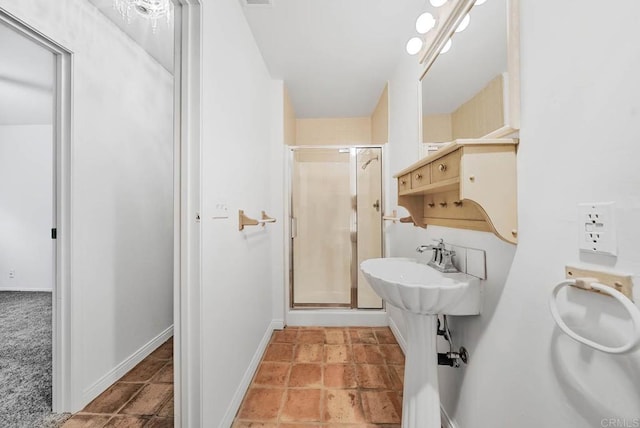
336	210
322	223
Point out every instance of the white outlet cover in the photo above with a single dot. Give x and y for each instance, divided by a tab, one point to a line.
597	228
220	210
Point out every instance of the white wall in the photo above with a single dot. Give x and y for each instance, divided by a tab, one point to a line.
26	80
238	97
26	207
122	201
580	104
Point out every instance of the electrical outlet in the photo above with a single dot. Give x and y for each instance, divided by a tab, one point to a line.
12	274
597	228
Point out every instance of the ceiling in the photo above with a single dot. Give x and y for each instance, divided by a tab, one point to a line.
335	56
26	80
159	44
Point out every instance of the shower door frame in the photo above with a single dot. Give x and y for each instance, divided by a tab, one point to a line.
353	305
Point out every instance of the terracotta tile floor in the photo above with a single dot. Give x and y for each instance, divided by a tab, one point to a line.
141	398
316	377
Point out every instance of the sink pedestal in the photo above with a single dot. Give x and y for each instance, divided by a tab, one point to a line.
421	293
421	397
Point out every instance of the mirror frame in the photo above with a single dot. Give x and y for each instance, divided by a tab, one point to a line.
451	14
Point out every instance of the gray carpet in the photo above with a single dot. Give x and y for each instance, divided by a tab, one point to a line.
25	361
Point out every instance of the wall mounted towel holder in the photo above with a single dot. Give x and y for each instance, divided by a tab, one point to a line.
394	218
594	284
243	220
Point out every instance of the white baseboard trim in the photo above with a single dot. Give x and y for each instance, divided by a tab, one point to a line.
48	290
396	332
234	406
278	324
445	420
121	369
336	318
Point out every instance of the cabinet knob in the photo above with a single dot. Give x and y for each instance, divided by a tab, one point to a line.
403	182
418	176
442	167
457	203
443	204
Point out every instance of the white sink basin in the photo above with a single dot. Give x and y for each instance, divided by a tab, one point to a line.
422	293
418	288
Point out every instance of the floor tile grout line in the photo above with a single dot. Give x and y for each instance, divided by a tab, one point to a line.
144	384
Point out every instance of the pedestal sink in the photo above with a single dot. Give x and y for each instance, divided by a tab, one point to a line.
422	293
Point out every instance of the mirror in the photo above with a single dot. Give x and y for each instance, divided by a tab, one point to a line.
471	91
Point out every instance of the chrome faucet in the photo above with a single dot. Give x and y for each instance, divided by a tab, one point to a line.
441	259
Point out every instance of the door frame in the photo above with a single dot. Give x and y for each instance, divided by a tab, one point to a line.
187	196
62	174
288	250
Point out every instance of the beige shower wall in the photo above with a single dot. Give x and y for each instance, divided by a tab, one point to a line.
344	131
380	119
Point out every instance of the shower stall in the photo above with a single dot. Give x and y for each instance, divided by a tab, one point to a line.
336	223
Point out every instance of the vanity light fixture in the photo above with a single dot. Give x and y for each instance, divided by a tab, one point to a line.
153	10
425	23
437	3
414	45
446	47
464	24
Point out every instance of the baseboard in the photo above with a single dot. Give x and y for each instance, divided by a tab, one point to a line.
121	369
234	406
445	420
278	324
47	290
336	318
396	332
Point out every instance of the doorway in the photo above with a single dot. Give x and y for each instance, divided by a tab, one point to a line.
336	223
34	149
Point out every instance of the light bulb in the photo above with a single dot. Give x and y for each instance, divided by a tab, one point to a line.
464	24
414	45
437	3
479	2
446	47
425	22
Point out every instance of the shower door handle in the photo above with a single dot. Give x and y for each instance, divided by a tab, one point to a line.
377	205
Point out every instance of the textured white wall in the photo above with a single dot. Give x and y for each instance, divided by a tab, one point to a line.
580	104
122	190
26	207
236	168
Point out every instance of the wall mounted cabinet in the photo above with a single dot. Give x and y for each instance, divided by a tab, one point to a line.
467	184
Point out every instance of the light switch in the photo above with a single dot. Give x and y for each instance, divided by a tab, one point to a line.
597	229
220	210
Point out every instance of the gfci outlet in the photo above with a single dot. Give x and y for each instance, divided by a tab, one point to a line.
597	228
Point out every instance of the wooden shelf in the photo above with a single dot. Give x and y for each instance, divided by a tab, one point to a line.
468	184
